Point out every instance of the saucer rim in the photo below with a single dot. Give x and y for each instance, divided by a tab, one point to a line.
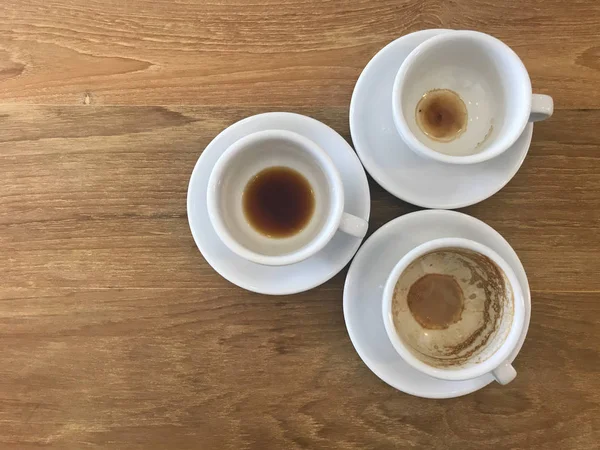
211	259
397	222
373	170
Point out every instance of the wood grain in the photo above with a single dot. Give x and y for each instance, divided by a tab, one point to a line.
284	53
116	333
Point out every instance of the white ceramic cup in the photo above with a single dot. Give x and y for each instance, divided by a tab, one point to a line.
490	79
272	148
495	350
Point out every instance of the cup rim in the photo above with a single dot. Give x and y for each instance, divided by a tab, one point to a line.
454	374
496	149
331	174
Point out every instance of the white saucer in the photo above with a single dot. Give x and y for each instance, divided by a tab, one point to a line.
364	289
297	277
412	178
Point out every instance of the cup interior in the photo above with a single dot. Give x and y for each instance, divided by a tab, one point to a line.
247	158
487	77
452	309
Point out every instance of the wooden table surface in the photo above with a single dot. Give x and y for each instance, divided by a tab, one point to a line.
116	333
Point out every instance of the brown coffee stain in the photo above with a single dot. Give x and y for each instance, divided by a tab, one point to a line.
436	301
425	307
485	138
442	115
493	284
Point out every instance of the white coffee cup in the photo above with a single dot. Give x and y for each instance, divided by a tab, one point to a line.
492	83
493	349
273	148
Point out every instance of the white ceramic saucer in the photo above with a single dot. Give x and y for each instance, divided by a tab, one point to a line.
364	289
412	178
297	277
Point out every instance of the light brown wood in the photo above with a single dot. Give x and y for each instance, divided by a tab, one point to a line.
284	53
115	332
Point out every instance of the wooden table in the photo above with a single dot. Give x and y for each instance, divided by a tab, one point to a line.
115	332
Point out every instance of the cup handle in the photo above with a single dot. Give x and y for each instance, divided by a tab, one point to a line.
542	107
353	225
504	373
